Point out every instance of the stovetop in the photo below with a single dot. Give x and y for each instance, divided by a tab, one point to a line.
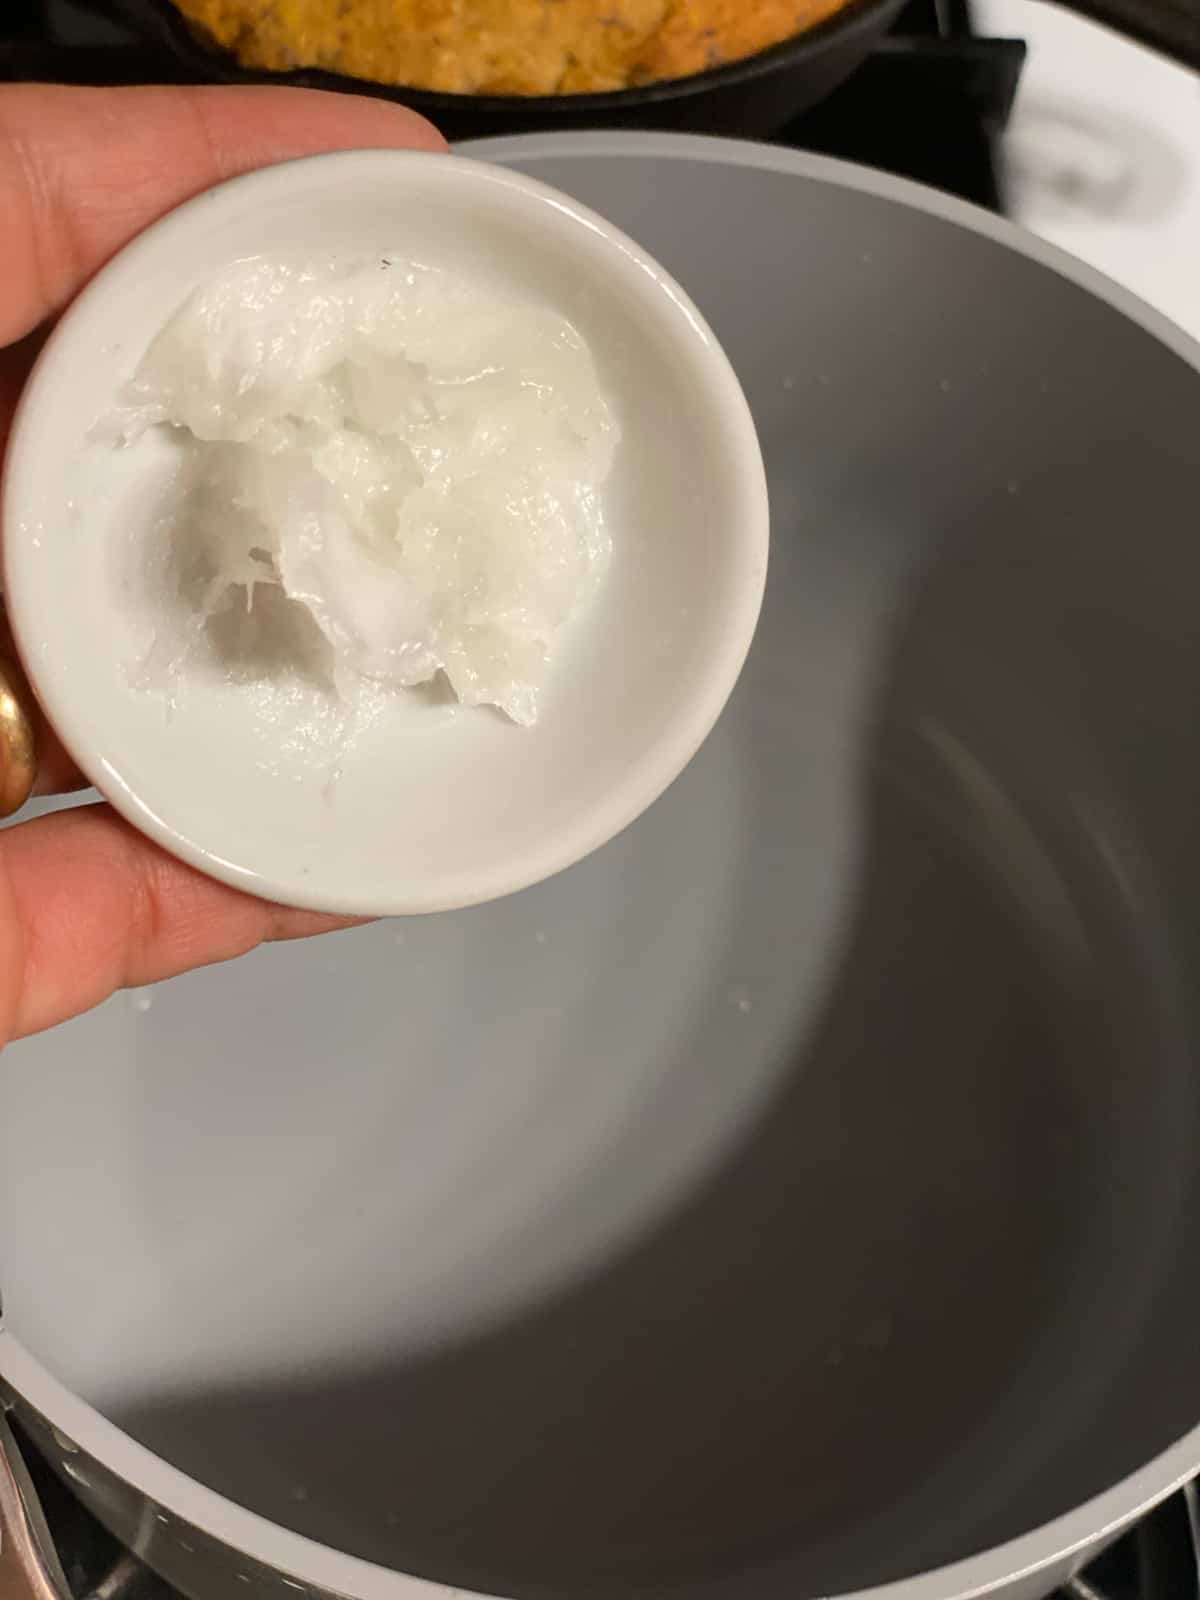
931	103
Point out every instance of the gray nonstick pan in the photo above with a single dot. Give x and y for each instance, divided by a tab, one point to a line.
801	1197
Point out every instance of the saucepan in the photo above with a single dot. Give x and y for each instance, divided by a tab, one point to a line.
799	1197
750	98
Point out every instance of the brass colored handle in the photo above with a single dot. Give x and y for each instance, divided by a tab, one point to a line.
18	745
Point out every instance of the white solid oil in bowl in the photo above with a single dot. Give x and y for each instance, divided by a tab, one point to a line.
384	531
388	476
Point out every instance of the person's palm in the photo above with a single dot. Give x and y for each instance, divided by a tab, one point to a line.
87	905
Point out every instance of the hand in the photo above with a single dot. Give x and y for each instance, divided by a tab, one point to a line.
87	905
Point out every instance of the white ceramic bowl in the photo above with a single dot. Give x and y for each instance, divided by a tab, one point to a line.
434	806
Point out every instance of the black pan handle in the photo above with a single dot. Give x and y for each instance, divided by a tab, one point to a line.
1171	27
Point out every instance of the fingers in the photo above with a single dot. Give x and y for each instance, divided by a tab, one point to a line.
83	170
89	906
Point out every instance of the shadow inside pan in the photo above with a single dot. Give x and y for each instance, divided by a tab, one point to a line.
879	1337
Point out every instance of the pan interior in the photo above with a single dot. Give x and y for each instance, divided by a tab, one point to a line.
800	1193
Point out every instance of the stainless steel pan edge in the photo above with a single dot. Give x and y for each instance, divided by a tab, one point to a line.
28	1566
215	1550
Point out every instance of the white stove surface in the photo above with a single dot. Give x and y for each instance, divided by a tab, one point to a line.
1103	152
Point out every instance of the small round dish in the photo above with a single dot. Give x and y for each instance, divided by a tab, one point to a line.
433	806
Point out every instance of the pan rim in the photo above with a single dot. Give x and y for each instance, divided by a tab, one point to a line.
309	1564
314	1568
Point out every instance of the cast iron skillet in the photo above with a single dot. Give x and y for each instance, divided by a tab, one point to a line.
751	98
